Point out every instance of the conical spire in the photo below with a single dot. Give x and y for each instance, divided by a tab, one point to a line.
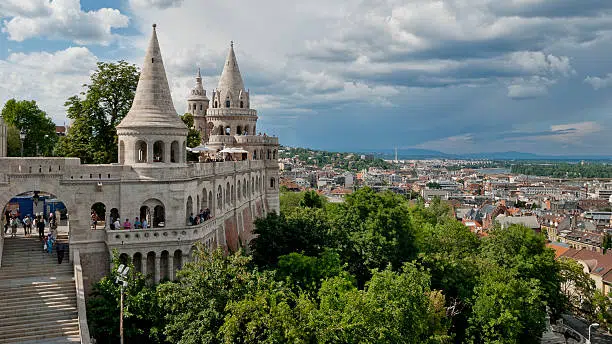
152	106
198	92
231	80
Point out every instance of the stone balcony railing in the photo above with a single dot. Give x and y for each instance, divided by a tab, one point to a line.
162	234
230	112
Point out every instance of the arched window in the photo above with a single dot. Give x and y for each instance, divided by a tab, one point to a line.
164	268
238	130
210	201
158	151
137	261
121	152
227	193
228	130
159	216
114	214
174	151
255	154
201	107
252	185
216	104
98	216
268	156
204	199
151	266
272	183
141	151
244	188
233	194
155	219
227	103
274	154
188	209
238	190
241	104
145	214
219	198
178	260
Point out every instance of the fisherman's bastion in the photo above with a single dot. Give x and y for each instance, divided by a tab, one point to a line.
153	180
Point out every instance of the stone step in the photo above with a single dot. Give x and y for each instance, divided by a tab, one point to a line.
39	312
30	320
27	326
15	296
40	333
28	304
36	318
56	340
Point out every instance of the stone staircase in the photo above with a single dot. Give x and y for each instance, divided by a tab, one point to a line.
37	295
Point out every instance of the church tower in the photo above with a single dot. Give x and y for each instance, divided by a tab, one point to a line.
230	113
197	104
152	133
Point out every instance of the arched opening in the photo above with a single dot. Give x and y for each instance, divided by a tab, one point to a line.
159	216
124	259
244	188
158	151
261	154
174	151
137	261
274	154
141	151
121	152
151	267
241	104
238	192
114	215
227	193
198	208
255	154
164	268
238	130
219	198
204	199
233	194
227	103
98	216
210	201
153	219
188	209
178	261
272	183
228	131
268	154
216	104
145	217
252	185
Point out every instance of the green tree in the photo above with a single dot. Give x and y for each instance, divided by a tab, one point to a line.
26	116
312	199
507	309
104	103
303	230
577	287
305	272
194	138
142	314
195	305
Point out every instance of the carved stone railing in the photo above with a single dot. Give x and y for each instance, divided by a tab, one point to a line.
80	297
161	234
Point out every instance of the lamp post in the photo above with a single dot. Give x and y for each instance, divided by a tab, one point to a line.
22	136
122	271
593	325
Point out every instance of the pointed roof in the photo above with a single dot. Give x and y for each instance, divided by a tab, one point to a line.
231	80
197	92
152	106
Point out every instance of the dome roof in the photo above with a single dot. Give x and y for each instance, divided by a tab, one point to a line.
152	106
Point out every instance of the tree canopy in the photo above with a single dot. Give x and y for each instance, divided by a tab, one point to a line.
26	116
97	111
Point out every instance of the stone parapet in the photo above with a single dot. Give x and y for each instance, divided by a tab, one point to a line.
186	234
230	112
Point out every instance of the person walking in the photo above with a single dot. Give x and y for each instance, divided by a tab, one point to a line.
61	248
40	223
14	223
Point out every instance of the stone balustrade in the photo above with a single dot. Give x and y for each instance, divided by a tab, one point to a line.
194	233
230	112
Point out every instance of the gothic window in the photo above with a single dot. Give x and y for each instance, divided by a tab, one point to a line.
227	103
272	183
216	104
141	151
200	106
158	151
174	151
241	104
227	130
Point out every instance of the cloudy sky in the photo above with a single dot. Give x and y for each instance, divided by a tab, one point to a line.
451	75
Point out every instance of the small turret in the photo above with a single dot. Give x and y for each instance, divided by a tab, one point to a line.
230	92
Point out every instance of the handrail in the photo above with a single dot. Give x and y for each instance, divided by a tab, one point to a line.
80	297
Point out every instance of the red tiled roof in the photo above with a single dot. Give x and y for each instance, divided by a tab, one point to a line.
559	250
599	264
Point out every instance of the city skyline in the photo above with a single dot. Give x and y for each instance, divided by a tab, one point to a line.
453	76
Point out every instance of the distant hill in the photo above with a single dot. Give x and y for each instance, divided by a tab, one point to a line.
415	153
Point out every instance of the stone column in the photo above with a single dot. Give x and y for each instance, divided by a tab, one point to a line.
157	268
171	267
167	151
150	152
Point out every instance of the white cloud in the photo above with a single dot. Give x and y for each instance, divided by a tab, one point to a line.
599	83
48	78
65	20
161	4
25	8
525	88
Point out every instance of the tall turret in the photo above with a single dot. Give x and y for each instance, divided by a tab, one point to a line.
152	132
197	104
230	92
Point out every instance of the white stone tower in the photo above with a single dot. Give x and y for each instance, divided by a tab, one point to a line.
197	105
152	133
230	113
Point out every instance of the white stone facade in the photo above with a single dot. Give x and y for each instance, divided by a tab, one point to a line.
153	179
